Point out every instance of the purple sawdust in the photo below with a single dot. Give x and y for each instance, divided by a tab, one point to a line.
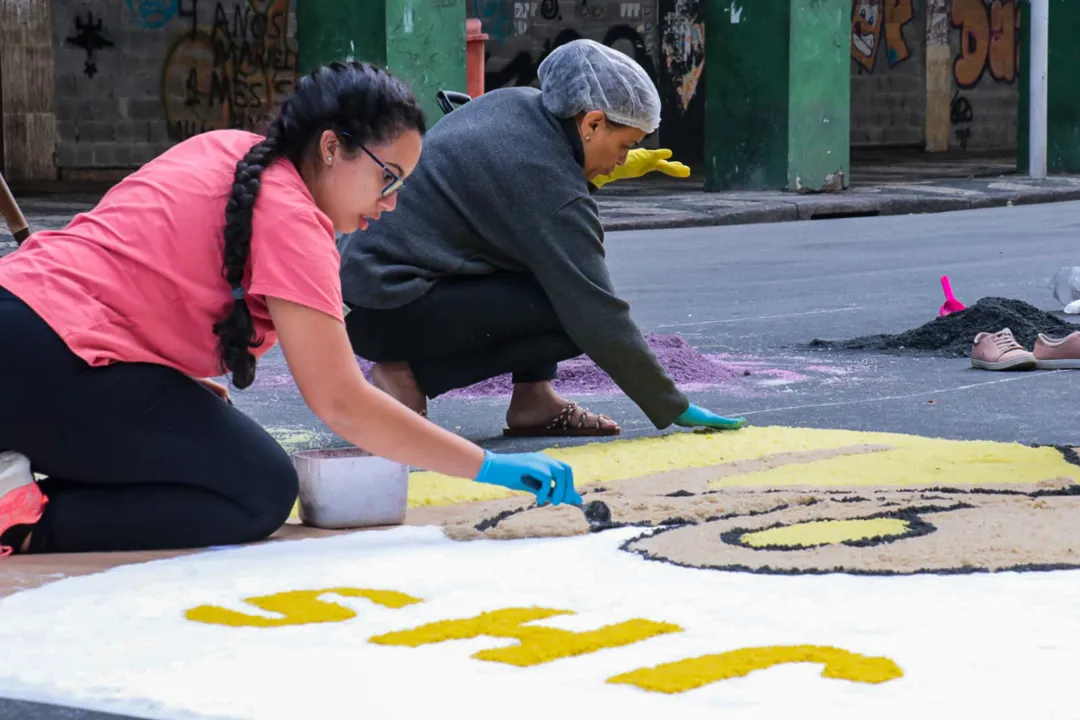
690	370
781	375
828	370
753	368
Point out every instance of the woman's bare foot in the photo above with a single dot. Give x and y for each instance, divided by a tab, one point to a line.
536	405
396	380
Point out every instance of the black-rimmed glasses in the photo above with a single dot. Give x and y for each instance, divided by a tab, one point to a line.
395	180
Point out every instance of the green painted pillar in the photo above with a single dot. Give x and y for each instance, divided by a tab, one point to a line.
778	91
1063	101
420	41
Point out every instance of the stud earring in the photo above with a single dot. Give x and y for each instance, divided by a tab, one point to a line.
588	138
329	159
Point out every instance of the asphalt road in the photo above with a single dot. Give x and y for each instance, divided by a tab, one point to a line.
763	292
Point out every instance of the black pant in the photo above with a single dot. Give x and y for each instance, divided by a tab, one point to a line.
466	330
139	456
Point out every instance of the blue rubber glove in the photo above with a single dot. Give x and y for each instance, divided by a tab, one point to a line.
700	417
547	478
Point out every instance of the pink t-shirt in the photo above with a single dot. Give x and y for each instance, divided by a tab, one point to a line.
139	277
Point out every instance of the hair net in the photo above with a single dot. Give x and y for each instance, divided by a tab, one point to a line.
584	75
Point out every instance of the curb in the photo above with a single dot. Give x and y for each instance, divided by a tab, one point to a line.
671	212
822	207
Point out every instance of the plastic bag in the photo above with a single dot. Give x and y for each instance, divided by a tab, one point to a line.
1066	285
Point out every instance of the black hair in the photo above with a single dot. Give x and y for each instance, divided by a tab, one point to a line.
362	105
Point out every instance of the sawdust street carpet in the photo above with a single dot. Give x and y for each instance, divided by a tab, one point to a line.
759	572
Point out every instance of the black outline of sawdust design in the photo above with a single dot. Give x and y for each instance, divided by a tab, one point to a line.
917	527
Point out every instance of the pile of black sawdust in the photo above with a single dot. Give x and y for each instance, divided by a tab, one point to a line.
952	335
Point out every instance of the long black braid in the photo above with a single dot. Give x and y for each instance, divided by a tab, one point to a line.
361	104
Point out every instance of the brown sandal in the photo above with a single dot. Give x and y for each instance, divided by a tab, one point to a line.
560	426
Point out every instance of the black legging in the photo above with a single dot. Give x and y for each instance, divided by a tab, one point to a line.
139	456
466	330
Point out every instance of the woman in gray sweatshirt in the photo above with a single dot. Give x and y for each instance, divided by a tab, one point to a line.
494	261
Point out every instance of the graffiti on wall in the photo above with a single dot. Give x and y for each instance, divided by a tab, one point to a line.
153	14
962	116
498	24
230	68
937	22
524	33
521	70
682	47
90	36
872	20
989	41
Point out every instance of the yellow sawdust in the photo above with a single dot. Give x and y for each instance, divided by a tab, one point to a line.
536	644
825	532
689	674
920	461
913	460
297	607
292	439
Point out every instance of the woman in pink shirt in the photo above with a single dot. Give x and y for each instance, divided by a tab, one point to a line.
194	266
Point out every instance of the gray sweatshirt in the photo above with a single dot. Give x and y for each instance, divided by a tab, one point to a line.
501	187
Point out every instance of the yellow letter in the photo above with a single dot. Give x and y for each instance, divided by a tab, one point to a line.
299	607
536	644
686	675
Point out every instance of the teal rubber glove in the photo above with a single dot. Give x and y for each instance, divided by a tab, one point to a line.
700	417
547	478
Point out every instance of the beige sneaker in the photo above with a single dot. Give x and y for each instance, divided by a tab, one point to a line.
1058	353
1000	351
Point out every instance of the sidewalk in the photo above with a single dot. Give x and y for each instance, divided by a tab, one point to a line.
883	184
657	204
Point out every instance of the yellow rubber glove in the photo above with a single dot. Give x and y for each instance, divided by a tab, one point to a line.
640	162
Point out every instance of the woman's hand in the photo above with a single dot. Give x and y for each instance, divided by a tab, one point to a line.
641	161
528	472
322	362
700	417
215	387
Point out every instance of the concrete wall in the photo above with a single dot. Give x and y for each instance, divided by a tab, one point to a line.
135	76
888	82
682	76
985	43
888	66
132	77
666	36
523	32
888	91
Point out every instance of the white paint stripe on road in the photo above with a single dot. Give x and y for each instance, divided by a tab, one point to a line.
760	317
922	393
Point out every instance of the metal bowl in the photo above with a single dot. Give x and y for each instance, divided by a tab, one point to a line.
350	488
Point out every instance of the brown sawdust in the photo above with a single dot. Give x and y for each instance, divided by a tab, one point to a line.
955	529
646	499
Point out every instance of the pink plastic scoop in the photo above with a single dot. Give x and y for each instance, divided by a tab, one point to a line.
951	303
